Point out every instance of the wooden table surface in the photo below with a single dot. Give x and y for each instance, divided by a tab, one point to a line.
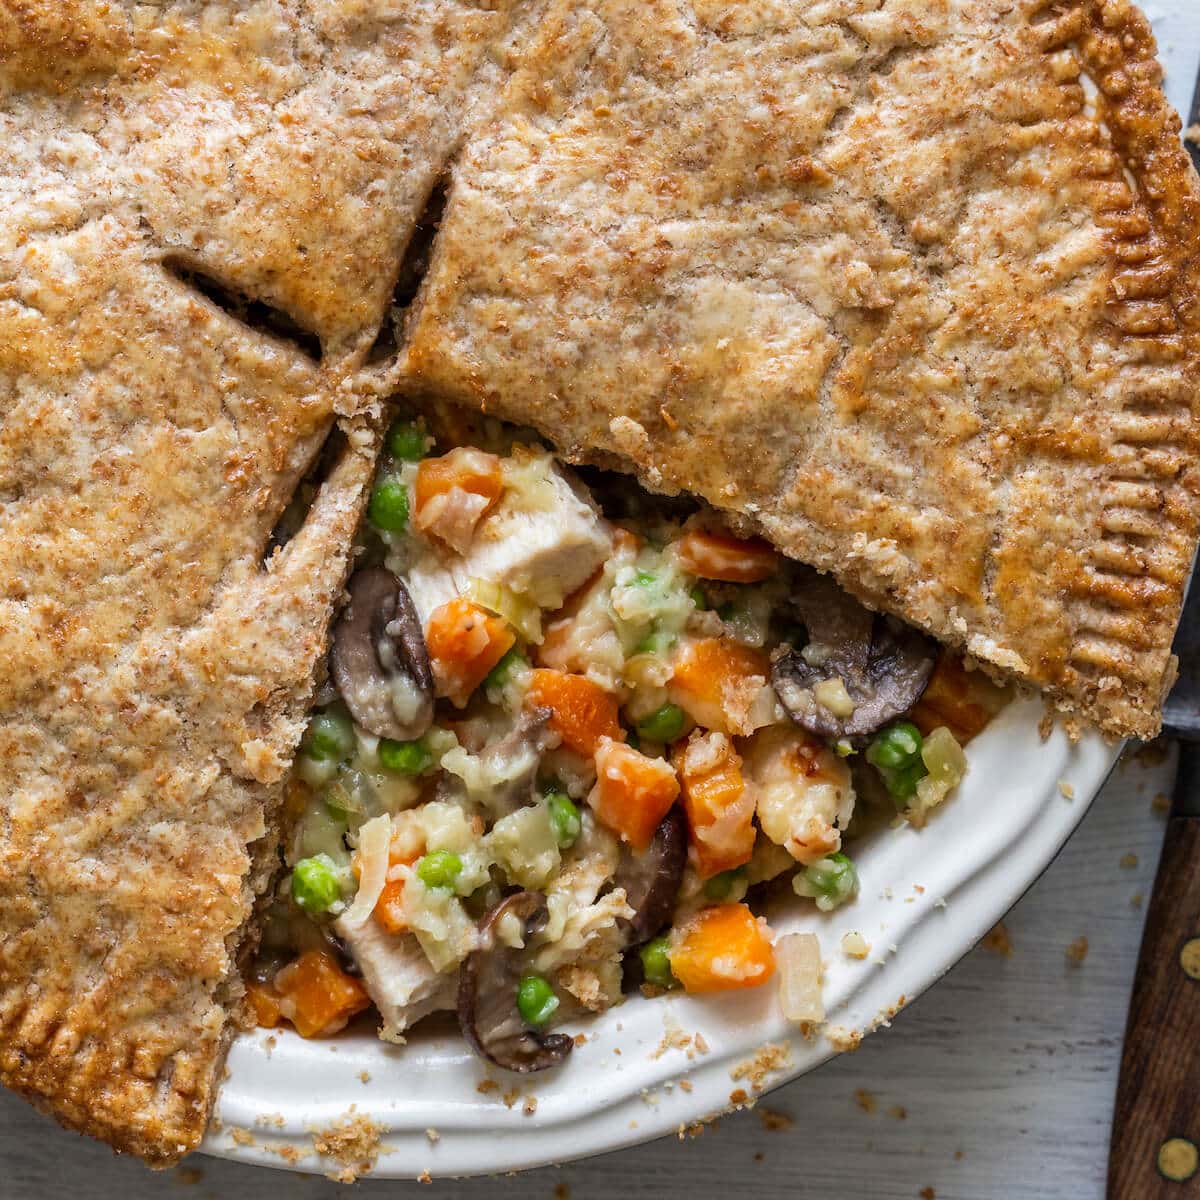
996	1085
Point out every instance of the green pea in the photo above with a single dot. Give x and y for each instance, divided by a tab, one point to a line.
663	725
315	884
439	869
404	758
833	878
699	599
720	887
407	441
902	784
645	579
656	962
896	747
501	674
536	1001
389	504
330	736
564	819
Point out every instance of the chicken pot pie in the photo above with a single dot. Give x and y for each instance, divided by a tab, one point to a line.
903	286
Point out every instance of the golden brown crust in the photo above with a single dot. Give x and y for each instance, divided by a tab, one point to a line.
156	669
871	278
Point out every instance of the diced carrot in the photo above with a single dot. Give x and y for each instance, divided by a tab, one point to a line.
264	1004
722	948
727	558
389	908
720	809
454	492
465	642
464	467
318	997
717	682
964	701
582	712
632	792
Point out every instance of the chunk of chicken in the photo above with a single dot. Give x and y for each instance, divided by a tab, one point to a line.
802	790
398	976
541	540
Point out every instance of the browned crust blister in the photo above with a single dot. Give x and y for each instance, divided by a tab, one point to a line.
872	278
870	275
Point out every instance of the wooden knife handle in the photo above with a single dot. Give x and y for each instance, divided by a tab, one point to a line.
1155	1150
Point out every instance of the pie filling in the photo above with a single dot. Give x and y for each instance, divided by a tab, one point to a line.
573	738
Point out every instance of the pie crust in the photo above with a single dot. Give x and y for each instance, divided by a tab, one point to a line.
908	286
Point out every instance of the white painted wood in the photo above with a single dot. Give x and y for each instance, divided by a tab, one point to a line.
1009	1062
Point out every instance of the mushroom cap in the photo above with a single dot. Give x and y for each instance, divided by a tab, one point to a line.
487	993
651	879
378	658
883	663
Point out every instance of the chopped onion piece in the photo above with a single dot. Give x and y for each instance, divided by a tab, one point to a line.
798	958
374	842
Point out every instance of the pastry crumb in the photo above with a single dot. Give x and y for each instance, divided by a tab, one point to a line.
998	941
187	1176
774	1121
865	1100
1067	790
768	1060
1129	861
1192	134
1077	951
484	1086
425	1176
739	1098
927	1193
1161	802
899	1112
562	1192
842	1039
433	1136
1136	900
352	1143
530	1106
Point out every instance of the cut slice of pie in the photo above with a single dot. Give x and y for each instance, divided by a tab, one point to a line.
205	210
908	286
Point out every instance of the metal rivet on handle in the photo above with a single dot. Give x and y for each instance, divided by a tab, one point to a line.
1178	1159
1189	958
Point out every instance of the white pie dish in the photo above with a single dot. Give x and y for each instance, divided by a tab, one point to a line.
1020	801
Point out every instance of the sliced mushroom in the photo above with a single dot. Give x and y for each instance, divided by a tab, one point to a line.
487	992
651	879
883	664
515	760
379	661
